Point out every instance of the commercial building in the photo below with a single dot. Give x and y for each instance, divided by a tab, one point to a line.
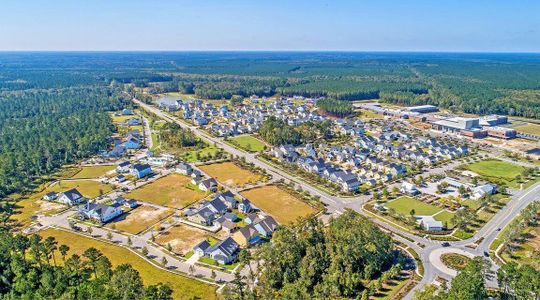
423	109
493	120
501	132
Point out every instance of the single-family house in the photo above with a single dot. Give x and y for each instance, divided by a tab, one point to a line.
50	196
266	226
409	188
247	236
71	197
482	190
99	212
184	168
141	170
123	167
245	206
208	185
224	252
204	216
201	248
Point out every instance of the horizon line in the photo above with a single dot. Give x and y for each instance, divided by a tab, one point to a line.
272	50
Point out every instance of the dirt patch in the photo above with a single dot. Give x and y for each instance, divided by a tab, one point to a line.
183	238
140	219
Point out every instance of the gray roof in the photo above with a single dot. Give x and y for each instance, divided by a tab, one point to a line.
73	194
227	246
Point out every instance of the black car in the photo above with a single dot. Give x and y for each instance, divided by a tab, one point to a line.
446	244
486	254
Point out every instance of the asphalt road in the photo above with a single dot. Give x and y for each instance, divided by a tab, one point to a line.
424	247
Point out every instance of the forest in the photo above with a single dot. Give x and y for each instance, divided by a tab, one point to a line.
462	82
334	107
41	130
311	261
276	132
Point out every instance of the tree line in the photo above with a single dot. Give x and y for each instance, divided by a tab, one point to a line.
37	268
336	107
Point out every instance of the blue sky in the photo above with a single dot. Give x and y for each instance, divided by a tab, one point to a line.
362	25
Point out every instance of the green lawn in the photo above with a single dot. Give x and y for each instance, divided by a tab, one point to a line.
404	205
496	168
191	156
93	171
445	216
248	143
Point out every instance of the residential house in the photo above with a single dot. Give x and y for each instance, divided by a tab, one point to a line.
482	190
247	236
123	167
99	212
266	226
71	197
245	206
184	168
141	170
50	196
224	252
204	216
208	185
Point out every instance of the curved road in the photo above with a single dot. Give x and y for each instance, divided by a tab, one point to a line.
428	250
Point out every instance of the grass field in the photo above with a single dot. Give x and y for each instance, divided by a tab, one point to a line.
182	237
191	156
183	287
404	205
33	204
140	219
172	191
284	207
93	171
230	174
496	168
529	128
248	143
367	114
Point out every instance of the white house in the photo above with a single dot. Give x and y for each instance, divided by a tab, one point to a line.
429	223
71	197
409	188
482	190
100	212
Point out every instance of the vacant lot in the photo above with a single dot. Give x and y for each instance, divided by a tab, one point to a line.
140	218
248	143
404	205
230	174
174	190
496	168
183	287
277	202
196	155
93	171
182	237
529	128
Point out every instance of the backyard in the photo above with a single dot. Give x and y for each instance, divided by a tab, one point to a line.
173	190
183	287
229	174
279	203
